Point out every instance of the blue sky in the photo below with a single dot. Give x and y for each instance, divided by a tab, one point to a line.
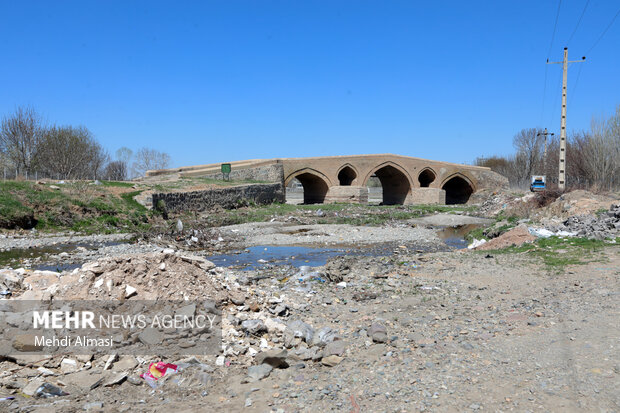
216	81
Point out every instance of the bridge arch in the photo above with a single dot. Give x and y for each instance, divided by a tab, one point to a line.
395	181
426	177
315	184
458	188
347	174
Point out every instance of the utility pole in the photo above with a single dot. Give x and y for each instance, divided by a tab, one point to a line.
545	133
562	172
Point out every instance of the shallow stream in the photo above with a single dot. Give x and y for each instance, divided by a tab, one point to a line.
47	257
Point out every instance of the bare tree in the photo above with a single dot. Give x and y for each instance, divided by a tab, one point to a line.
124	155
601	152
529	144
72	153
99	158
20	137
115	171
499	164
146	159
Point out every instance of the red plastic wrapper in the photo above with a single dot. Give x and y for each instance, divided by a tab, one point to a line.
158	370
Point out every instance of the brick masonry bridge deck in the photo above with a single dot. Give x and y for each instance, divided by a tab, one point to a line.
404	179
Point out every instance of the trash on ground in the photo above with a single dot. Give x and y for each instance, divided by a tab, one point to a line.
49	390
157	371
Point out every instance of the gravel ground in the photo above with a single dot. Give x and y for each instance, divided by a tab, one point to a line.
450	220
462	332
415	331
277	233
38	240
66	251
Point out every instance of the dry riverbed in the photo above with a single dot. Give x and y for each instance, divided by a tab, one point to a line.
445	331
395	320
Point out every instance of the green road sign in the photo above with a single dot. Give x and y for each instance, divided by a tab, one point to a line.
226	168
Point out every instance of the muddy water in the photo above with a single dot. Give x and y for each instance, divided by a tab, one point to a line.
46	258
455	236
38	256
261	256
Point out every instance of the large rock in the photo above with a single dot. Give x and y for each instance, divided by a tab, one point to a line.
275	358
25	343
254	326
323	336
11	279
331	361
334	348
68	365
378	332
41	280
32	387
256	373
300	329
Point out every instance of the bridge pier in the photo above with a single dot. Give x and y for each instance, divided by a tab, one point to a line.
359	195
350	194
427	196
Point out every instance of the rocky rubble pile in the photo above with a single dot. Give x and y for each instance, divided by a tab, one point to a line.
166	275
579	202
491	204
191	238
603	226
265	325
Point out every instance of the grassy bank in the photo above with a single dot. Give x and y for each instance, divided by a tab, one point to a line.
78	206
557	253
111	207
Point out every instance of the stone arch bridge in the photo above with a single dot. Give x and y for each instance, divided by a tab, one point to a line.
404	179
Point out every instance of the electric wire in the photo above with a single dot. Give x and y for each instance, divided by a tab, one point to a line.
604	31
574	88
578	23
542	110
555	25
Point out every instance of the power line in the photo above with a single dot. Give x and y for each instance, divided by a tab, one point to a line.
604	31
555	25
542	110
570	99
578	23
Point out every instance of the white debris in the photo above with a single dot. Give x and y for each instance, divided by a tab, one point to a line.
476	243
540	232
130	291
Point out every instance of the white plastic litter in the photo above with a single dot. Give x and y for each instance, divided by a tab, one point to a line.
540	232
476	243
566	234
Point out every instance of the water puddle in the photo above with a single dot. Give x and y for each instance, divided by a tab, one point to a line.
37	257
57	267
455	236
258	257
